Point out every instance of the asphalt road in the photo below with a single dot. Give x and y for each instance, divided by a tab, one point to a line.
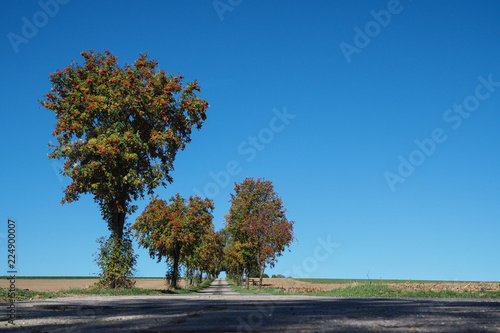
218	309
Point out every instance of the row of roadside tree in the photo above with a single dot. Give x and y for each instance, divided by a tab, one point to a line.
118	130
181	231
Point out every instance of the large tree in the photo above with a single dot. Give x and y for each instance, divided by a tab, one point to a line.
119	128
257	222
174	231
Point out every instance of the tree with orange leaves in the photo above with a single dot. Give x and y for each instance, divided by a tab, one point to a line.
118	130
174	231
257	222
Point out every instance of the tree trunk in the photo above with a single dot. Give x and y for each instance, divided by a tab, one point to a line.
187	279
175	273
247	280
117	223
261	273
261	269
200	276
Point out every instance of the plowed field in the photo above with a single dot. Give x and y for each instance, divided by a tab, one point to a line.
58	284
294	286
288	285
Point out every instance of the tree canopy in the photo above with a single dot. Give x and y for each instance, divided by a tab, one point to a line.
257	225
119	128
175	231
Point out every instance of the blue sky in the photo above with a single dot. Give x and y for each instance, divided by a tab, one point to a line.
377	122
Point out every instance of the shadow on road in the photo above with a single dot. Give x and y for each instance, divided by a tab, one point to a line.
215	311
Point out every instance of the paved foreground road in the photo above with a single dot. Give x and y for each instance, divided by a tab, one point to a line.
218	309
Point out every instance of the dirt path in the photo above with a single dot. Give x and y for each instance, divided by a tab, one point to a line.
218	287
214	312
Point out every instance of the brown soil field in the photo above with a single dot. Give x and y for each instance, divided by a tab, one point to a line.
294	286
288	285
59	284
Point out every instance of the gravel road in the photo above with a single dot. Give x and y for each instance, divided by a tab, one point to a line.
219	309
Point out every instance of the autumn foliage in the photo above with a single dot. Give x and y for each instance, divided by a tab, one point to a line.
180	232
119	128
208	256
258	228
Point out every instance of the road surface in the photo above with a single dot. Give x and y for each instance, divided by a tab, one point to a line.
218	287
219	309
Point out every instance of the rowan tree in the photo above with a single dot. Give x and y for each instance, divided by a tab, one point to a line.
119	128
206	257
257	221
174	231
234	261
209	253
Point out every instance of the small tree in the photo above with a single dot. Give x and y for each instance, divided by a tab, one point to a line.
234	261
257	221
217	255
208	255
119	129
271	235
174	231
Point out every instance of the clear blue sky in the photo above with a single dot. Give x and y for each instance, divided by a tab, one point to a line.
377	122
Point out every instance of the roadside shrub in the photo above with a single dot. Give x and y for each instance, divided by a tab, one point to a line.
116	261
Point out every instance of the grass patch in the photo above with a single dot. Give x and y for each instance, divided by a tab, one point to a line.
374	290
370	290
453	294
202	286
362	290
238	289
254	290
22	294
